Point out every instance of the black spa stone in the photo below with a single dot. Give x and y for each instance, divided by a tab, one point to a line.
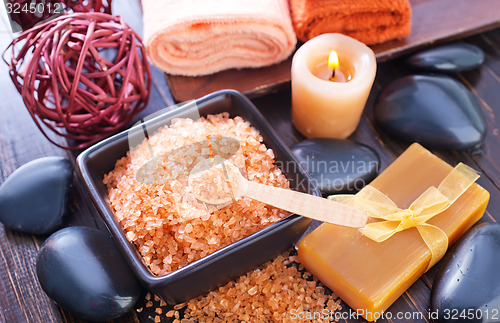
34	198
82	270
450	58
436	111
467	288
337	166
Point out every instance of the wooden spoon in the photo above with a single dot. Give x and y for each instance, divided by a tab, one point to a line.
215	181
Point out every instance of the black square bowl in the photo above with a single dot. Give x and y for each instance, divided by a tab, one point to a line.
228	263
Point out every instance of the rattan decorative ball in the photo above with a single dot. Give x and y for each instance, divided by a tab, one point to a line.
82	76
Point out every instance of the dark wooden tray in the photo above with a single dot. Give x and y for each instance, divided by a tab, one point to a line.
433	21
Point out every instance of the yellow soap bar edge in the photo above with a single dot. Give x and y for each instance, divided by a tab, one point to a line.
339	287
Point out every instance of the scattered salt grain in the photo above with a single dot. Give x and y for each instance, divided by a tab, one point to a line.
278	299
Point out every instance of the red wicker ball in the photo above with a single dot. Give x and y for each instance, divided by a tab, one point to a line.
83	76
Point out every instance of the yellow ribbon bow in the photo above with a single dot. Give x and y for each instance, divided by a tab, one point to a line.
432	202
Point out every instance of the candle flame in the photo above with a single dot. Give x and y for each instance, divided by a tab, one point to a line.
333	60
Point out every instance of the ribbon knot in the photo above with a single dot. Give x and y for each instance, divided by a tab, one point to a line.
408	220
430	203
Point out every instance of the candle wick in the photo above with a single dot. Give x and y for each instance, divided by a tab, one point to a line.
333	75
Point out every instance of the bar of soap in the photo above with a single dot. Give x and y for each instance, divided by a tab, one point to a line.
369	276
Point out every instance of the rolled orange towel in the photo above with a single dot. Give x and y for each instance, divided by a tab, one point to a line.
198	37
369	21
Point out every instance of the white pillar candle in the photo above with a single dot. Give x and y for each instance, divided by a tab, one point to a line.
325	107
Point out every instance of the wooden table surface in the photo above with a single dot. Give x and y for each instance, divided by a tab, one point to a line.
21	297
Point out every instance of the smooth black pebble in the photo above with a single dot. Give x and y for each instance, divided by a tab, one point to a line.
34	198
337	165
450	58
82	270
436	111
467	280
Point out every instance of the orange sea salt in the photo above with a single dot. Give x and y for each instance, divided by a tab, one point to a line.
277	291
167	225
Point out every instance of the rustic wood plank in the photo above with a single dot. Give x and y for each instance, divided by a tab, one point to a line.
481	158
276	108
23	300
487	42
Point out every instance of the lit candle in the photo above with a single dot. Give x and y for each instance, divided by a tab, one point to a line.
332	76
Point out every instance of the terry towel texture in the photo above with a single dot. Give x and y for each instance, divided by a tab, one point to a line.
198	37
369	21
